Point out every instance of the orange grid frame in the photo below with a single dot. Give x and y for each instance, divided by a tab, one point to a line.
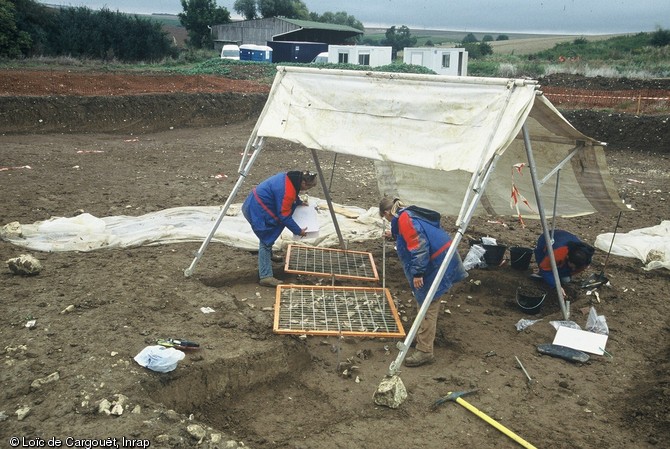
328	262
336	311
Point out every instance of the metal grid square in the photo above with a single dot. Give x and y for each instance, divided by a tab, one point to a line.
327	262
348	311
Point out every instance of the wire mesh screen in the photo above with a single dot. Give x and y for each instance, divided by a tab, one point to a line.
341	264
349	311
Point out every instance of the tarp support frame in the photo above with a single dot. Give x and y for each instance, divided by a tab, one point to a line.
561	164
547	237
553	216
478	191
326	193
258	148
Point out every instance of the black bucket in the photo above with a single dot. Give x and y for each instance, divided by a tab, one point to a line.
494	254
519	257
530	299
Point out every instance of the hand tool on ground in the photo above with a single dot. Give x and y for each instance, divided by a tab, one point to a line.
177	343
596	280
523	369
457	397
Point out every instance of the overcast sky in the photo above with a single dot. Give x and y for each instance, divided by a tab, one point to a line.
510	16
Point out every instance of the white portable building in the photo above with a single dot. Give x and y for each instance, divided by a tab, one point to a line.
359	55
443	61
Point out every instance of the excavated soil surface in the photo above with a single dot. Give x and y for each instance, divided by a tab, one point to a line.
139	147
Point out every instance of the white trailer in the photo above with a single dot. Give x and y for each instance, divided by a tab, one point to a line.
359	55
443	61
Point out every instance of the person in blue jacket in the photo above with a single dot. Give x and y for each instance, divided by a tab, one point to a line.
572	257
422	245
269	209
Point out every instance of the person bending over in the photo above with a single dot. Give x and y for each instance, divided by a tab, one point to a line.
572	257
269	209
422	245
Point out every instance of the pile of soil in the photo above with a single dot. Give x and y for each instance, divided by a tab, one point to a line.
71	373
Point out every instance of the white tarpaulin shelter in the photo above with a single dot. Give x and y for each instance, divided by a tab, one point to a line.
450	131
431	133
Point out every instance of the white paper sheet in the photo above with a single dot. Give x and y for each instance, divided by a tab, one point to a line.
581	340
305	217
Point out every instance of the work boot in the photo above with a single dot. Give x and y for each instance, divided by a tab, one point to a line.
277	258
419	358
269	282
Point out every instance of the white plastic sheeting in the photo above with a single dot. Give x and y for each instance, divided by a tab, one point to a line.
427	134
177	225
650	245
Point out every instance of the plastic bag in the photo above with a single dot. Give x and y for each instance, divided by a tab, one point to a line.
525	323
596	323
570	324
159	358
474	258
489	241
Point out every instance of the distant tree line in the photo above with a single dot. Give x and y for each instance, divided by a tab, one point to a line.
261	9
291	9
28	29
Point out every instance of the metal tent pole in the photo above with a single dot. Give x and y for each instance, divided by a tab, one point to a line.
332	172
479	192
383	254
553	216
258	147
326	193
565	308
253	142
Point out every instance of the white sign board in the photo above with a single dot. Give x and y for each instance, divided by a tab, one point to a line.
581	340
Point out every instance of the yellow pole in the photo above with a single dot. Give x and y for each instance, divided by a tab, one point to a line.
495	424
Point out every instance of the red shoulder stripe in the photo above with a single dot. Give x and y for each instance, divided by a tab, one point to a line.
408	232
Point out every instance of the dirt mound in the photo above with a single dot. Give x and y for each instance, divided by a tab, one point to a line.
81	102
130	114
603	83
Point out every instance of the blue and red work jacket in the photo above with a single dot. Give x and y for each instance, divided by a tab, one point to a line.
422	245
269	207
560	247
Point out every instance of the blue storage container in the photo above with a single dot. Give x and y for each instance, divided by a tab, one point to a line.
258	53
